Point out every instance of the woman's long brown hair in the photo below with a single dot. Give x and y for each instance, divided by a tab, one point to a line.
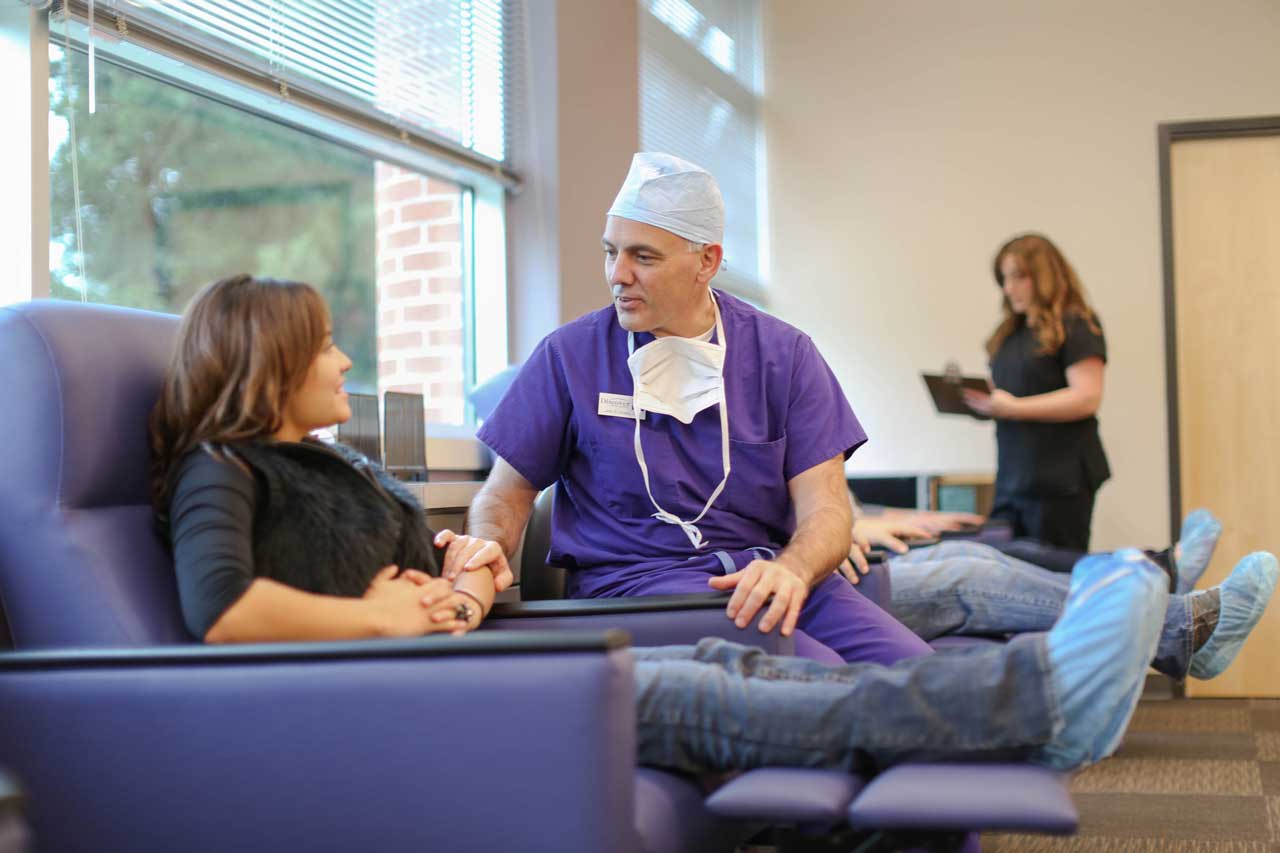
1056	294
243	346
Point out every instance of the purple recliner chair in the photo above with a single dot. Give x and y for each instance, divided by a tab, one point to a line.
128	735
933	805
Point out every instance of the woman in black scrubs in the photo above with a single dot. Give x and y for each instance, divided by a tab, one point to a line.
1047	362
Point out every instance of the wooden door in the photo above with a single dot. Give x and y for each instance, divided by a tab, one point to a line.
1225	206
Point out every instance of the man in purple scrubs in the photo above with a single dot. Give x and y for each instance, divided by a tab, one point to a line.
695	441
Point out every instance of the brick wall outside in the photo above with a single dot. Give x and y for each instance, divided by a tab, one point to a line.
419	260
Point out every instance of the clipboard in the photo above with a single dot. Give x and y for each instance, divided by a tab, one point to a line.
945	390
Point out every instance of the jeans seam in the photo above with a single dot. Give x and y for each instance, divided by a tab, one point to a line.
911	740
1053	699
1189	638
986	596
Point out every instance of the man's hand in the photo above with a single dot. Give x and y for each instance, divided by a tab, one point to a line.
754	585
469	553
888	533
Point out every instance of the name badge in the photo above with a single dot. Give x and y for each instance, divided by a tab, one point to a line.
616	406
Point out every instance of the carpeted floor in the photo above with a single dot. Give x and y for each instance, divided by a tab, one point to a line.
1194	775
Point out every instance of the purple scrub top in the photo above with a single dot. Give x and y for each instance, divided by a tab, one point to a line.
787	413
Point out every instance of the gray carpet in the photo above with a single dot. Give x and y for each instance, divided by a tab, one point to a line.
1195	775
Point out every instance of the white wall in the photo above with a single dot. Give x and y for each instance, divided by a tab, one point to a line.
908	139
583	129
24	153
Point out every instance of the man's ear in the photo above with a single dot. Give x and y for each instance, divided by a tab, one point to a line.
712	255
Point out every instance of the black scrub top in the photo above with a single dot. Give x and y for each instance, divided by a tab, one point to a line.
1045	460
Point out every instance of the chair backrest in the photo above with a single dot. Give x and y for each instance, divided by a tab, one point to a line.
404	436
540	581
363	430
81	563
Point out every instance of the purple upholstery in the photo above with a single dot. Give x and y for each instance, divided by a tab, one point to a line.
77	528
653	620
326	747
876	584
676	820
126	741
986	797
788	795
128	735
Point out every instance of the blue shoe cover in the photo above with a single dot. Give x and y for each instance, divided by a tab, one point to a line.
1099	651
1242	597
1200	532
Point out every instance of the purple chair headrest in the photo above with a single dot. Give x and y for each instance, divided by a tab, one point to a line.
80	562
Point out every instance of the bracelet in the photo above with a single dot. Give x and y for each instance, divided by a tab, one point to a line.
473	597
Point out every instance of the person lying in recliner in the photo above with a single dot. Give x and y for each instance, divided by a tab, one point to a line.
277	536
968	588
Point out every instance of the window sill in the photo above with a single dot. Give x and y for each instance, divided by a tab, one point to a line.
456	448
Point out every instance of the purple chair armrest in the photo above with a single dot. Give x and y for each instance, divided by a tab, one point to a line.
651	620
876	584
972	797
672	814
471	744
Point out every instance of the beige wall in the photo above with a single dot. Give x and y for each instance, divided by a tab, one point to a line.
583	127
908	139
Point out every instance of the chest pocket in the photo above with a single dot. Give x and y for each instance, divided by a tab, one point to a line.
757	487
616	478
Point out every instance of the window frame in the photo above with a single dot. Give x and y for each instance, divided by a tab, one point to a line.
484	188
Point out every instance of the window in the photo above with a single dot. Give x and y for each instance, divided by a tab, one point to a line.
181	175
699	99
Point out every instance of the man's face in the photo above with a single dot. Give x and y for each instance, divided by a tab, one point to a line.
658	285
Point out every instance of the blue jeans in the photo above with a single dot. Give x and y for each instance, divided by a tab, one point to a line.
962	587
721	706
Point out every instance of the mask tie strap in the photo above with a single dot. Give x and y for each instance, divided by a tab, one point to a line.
690	528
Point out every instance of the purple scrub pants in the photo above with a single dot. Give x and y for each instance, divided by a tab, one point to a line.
838	623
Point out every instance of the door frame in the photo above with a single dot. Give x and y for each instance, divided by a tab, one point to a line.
1168	133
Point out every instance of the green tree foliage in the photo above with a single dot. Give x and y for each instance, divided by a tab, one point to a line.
177	189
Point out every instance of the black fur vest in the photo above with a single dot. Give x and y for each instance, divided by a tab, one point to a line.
327	519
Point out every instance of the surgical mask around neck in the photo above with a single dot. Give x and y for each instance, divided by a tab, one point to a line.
680	377
677	376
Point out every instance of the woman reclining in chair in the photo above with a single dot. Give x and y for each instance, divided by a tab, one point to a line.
277	536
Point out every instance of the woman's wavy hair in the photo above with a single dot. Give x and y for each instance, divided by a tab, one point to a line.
1056	294
243	346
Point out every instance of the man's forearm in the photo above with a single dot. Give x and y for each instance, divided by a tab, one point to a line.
820	543
500	519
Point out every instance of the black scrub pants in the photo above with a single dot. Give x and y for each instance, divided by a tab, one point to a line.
1060	521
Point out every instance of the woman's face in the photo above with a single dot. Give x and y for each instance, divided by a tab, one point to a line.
321	400
1018	286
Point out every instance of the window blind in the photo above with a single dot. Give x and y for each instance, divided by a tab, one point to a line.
441	69
699	99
